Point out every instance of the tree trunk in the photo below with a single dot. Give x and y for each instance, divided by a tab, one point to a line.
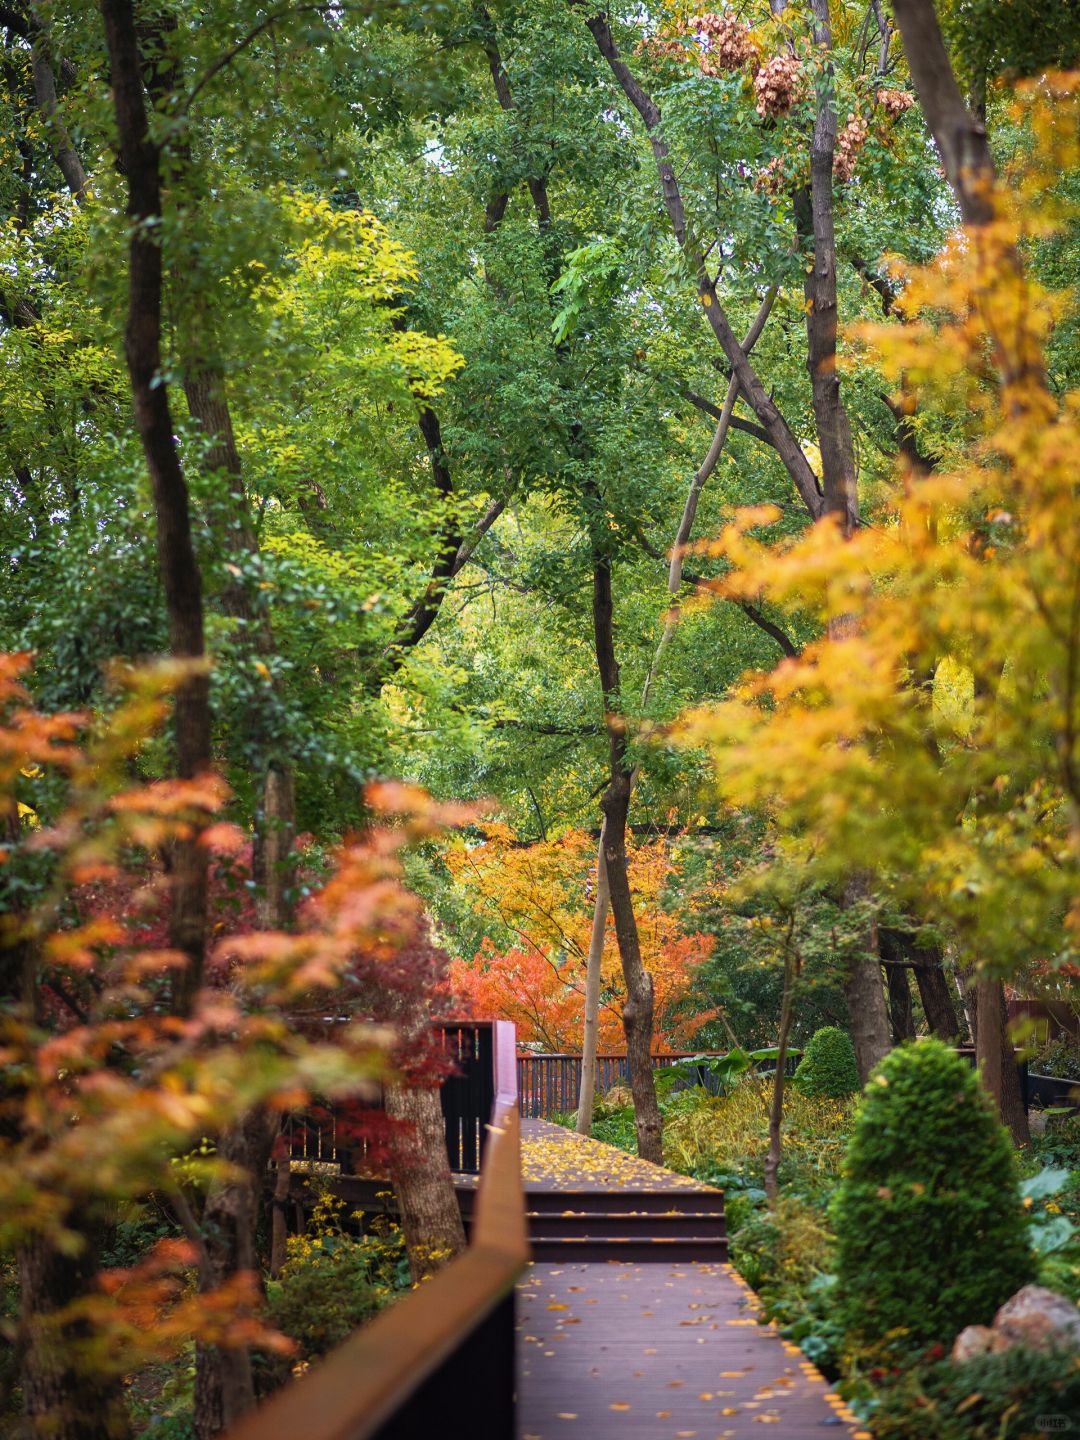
224	1381
591	1026
989	1037
282	1180
937	1002
274	865
420	1169
638	1009
66	1395
996	1058
1012	1100
960	136
901	1016
140	159
865	992
964	147
792	970
830	416
279	1229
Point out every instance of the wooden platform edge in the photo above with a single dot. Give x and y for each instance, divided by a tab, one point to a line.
360	1386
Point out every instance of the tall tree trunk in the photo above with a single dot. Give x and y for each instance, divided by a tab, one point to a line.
182	583
420	1169
279	1227
224	1381
901	1015
792	971
1012	1100
274	867
66	1393
830	416
638	1009
996	1058
864	989
591	1026
964	147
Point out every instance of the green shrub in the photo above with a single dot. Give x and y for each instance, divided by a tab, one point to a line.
321	1297
1059	1057
828	1065
783	1248
931	1234
1018	1394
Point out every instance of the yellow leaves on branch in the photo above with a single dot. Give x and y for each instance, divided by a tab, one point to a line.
858	745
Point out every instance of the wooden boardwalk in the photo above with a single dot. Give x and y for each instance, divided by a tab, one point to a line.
642	1348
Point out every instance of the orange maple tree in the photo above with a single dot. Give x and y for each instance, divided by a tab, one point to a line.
535	902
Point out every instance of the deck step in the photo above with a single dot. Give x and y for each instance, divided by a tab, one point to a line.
631	1249
629	1202
620	1223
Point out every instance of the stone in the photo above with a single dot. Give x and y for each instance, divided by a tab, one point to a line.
976	1340
1039	1318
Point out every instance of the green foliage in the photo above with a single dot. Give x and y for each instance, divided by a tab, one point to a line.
320	1298
1058	1057
333	1282
828	1067
788	1246
931	1234
1015	1395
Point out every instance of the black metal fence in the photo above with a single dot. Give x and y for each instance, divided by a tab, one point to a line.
549	1084
331	1137
469	1094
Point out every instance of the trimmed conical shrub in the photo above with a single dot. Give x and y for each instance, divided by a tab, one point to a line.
828	1065
931	1234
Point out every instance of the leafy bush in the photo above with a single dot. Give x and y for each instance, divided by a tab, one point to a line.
784	1247
828	1067
1014	1395
320	1298
930	1229
333	1282
1059	1057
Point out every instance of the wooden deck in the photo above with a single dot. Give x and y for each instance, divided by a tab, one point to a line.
649	1348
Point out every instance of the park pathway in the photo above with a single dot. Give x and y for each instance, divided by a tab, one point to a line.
614	1344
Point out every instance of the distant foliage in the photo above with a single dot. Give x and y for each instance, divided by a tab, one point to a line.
534	903
828	1067
930	1229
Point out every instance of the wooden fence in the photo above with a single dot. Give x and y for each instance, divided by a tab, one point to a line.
437	1355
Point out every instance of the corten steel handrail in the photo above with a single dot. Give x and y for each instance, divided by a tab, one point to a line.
446	1348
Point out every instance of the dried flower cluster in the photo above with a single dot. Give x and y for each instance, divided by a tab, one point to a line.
777	85
848	144
773	179
660	46
895	102
727	44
